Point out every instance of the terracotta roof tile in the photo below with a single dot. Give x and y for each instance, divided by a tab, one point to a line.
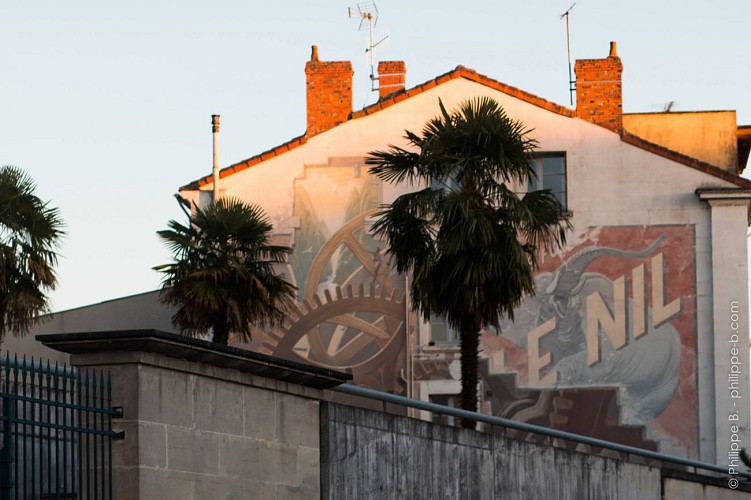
442	78
685	160
237	167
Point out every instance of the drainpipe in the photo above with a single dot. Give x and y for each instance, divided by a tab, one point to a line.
215	132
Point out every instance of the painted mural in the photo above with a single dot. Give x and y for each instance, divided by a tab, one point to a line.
617	310
605	348
351	314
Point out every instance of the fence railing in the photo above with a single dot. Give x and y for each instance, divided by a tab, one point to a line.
56	428
386	397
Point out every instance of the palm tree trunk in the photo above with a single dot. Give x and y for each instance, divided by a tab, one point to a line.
470	350
221	332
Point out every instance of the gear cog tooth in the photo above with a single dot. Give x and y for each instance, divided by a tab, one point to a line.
317	300
361	290
327	295
348	291
273	336
306	308
339	295
296	312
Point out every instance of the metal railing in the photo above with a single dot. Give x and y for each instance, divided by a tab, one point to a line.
56	428
536	429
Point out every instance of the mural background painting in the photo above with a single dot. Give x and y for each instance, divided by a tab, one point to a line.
564	336
351	314
606	346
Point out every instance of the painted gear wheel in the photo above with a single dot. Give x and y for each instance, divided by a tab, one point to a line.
351	330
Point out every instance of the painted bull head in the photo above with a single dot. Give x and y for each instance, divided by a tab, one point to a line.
559	295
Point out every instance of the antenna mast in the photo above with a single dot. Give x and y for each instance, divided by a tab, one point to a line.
368	14
571	81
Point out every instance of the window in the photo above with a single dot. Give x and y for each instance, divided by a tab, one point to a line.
441	332
451	400
551	174
449	185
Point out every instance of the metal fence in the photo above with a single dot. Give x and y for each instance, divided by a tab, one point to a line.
56	428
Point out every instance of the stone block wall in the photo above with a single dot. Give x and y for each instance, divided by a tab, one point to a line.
374	455
196	428
190	434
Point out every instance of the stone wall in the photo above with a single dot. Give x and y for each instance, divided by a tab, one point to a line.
203	421
209	429
374	455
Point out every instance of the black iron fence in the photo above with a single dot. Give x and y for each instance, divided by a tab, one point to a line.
56	428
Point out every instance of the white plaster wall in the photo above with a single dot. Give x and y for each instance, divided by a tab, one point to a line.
731	380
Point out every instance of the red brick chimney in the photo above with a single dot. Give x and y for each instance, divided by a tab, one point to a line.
391	75
329	86
599	96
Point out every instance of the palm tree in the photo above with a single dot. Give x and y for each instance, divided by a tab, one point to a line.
223	277
30	232
470	242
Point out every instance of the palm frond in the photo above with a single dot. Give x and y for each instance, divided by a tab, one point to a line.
31	230
469	241
223	275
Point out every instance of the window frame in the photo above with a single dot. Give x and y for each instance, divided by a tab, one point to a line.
452	336
539	182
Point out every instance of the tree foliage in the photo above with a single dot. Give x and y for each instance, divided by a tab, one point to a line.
30	233
469	240
223	277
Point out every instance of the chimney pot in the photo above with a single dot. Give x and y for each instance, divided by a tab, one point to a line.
314	53
613	50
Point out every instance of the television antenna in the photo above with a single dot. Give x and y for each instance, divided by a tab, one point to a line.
571	81
367	12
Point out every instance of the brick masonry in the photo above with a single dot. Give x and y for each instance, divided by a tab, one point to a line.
329	93
599	91
391	77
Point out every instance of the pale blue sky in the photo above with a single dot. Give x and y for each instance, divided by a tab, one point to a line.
107	104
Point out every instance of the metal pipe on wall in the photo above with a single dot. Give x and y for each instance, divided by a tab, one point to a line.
215	133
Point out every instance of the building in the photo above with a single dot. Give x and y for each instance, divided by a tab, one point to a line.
141	311
638	332
641	321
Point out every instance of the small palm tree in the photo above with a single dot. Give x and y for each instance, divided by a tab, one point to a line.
470	242
30	232
223	278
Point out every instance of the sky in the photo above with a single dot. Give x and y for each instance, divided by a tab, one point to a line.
107	105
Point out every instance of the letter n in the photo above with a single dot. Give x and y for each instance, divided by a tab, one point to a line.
613	325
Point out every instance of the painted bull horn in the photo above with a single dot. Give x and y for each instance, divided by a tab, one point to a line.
568	275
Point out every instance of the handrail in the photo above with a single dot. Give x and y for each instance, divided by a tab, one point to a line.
522	426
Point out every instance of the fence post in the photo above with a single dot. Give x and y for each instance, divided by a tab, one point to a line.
6	453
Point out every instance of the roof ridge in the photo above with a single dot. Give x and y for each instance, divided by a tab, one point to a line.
469	74
472	75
